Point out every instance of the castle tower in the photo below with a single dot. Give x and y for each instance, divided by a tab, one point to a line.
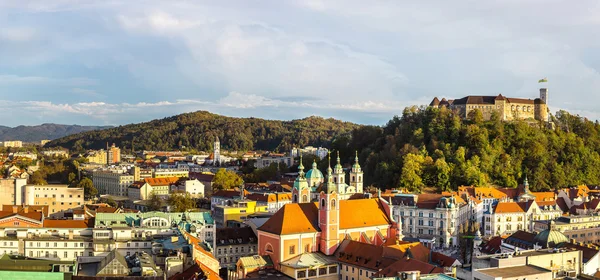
544	95
356	176
338	176
217	152
329	214
301	191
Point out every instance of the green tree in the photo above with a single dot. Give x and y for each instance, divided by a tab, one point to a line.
411	172
225	179
88	188
155	202
72	177
181	202
111	202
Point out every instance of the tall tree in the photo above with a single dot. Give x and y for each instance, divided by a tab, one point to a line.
89	190
225	179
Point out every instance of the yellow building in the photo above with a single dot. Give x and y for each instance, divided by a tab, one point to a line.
98	157
237	211
57	197
164	173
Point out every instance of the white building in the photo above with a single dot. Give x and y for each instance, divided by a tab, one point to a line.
194	187
433	218
309	150
112	182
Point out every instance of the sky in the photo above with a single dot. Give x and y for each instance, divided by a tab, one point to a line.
114	62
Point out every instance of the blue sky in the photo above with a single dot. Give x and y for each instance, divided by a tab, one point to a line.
118	62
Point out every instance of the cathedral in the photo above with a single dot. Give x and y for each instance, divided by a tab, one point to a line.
307	186
320	225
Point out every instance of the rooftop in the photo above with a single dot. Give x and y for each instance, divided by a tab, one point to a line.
513	271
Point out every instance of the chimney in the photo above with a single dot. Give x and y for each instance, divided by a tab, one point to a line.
70	234
15	209
25	209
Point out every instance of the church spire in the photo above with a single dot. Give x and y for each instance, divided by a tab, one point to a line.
300	167
330	187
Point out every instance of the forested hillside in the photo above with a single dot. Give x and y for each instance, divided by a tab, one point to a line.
35	133
434	147
198	130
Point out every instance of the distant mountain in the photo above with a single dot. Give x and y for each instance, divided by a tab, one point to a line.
198	130
48	131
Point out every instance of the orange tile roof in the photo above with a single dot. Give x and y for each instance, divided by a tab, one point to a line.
161	181
407	264
512	207
107	210
489	192
69	223
30	215
543	196
295	218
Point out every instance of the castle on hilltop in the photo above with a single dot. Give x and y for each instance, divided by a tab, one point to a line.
508	108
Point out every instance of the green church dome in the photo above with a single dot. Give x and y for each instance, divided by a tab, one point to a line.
314	173
550	238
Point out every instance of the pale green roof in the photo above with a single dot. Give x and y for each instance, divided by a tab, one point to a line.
135	219
309	260
314	173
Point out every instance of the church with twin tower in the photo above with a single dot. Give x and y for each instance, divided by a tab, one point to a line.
307	186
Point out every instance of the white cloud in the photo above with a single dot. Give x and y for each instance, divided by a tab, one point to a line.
15	79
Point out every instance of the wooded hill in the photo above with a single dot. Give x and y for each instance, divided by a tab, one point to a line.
434	147
198	130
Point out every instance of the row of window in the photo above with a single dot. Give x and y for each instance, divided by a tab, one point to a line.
61	196
313	272
48	254
55	244
420	214
241	250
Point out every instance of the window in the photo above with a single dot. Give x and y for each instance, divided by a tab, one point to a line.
322	271
307	248
66	245
420	214
312	272
301	274
332	269
90	254
292	249
66	254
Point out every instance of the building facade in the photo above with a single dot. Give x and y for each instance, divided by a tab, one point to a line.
58	198
12	144
233	244
12	191
112	183
113	154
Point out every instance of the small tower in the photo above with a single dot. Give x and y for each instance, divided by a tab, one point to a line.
356	175
301	191
338	176
217	152
329	214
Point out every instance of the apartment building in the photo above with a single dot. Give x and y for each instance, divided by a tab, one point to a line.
112	182
113	154
434	218
267	160
233	244
237	211
12	144
98	157
579	229
127	233
56	153
12	191
171	172
193	187
57	197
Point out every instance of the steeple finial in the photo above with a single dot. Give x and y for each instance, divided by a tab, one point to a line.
338	157
526	184
301	167
328	164
356	156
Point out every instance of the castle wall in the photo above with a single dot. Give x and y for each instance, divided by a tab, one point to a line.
519	111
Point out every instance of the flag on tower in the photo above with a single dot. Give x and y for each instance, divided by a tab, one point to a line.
544	80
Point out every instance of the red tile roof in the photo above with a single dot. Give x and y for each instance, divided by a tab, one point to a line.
30	215
161	181
408	264
69	223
